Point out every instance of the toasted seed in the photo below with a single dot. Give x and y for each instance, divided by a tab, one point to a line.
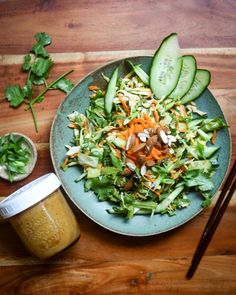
150	163
139	147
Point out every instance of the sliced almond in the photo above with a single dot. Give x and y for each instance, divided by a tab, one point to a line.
151	131
130	142
171	138
151	142
141	159
138	147
143	170
129	185
163	137
166	129
149	145
158	145
143	136
150	163
130	164
166	151
148	149
154	138
143	139
127	171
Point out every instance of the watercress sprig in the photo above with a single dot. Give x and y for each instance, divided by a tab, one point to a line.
37	64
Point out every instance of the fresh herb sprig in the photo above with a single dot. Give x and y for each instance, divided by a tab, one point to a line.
14	157
37	64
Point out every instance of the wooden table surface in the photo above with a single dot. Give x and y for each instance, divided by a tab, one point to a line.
87	34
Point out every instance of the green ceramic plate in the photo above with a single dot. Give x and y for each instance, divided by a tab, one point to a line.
87	202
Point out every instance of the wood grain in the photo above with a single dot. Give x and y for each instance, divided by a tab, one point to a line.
102	262
135	277
135	24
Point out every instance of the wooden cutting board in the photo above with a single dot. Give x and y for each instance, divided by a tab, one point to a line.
103	262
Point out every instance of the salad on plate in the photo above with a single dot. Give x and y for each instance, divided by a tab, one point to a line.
142	143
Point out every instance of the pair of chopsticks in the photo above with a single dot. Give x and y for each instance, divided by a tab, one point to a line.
215	217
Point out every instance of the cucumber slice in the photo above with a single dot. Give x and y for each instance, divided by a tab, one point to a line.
111	91
139	72
200	83
166	67
186	77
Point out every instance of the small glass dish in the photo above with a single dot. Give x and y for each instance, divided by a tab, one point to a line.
30	146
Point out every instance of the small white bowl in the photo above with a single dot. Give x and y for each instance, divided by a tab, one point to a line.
27	143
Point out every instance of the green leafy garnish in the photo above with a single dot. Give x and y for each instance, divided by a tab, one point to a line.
14	157
37	64
15	95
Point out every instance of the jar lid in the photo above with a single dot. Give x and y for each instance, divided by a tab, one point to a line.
29	195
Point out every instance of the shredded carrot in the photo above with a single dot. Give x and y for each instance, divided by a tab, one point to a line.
152	190
137	120
86	126
120	122
124	105
156	116
156	153
65	162
149	177
146	117
138	128
213	139
145	122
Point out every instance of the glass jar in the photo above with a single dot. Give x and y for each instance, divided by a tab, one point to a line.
41	217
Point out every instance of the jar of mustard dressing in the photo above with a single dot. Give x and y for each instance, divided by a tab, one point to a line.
41	217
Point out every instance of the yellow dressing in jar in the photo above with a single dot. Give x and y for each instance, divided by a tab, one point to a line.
41	217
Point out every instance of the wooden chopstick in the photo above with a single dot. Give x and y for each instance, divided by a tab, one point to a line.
215	217
216	207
